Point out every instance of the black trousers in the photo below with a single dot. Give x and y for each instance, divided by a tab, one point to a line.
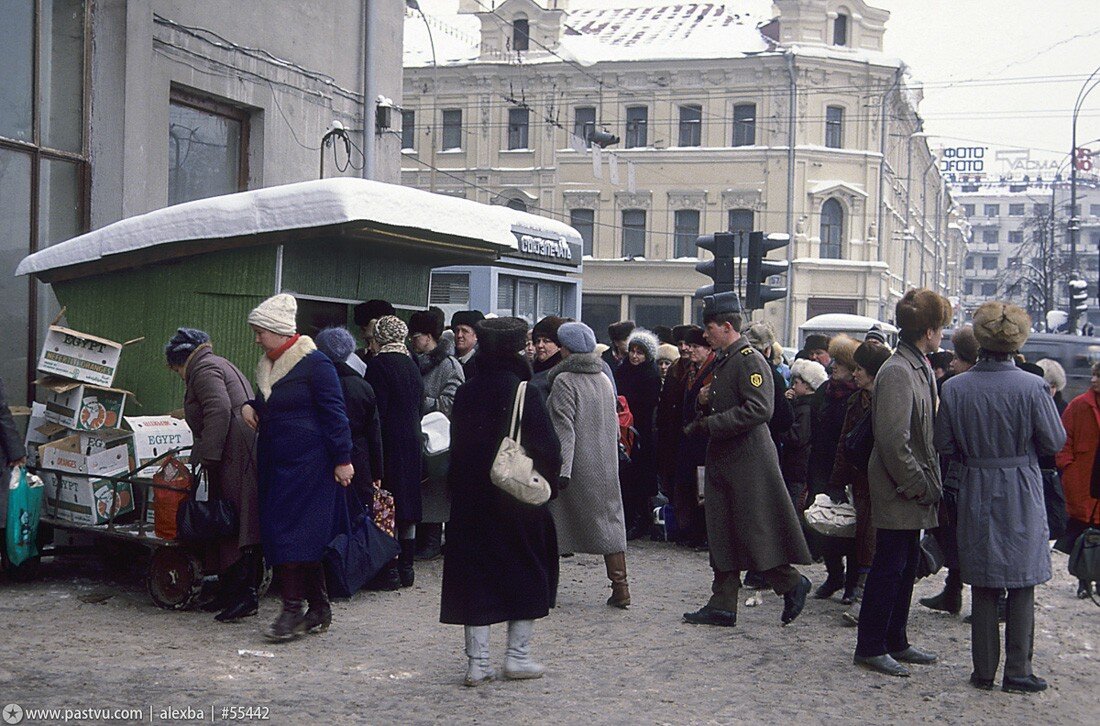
884	614
985	634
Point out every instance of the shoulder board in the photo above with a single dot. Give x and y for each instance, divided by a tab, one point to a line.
748	351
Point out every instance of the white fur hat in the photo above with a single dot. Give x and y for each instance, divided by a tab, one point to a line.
276	314
810	371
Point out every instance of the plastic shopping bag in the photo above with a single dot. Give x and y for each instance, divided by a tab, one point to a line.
24	508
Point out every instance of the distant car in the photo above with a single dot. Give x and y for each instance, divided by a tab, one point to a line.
1076	353
855	326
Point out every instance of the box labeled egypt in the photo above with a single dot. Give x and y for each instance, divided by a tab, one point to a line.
79	356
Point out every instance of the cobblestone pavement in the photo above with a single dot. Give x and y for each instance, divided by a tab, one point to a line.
78	639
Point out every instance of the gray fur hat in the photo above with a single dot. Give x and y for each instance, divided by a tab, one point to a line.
645	340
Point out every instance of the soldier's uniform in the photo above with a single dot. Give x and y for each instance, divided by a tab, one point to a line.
751	523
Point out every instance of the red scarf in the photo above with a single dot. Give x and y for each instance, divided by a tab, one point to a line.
275	354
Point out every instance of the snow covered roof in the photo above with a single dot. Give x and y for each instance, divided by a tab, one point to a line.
301	206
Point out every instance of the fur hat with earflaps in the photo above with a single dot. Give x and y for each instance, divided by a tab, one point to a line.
1001	327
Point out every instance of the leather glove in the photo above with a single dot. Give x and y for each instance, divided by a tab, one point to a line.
563	483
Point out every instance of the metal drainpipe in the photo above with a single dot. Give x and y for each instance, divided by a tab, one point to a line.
370	88
792	120
882	171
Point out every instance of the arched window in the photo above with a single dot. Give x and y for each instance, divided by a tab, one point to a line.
832	226
840	29
517	204
521	34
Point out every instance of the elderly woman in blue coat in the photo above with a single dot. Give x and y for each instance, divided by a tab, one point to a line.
994	423
304	459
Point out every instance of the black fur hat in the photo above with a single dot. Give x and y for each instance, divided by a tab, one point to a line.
501	337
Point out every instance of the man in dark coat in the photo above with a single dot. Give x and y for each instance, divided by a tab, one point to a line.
670	413
619	333
751	523
464	326
501	560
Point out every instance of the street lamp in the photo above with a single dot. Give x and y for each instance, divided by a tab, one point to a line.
1074	221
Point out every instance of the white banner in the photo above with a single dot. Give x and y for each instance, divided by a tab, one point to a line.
596	160
613	168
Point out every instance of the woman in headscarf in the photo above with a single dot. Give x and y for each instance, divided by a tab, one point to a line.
638	380
400	390
215	390
304	456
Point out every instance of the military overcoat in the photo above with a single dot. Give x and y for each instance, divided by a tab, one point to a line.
751	522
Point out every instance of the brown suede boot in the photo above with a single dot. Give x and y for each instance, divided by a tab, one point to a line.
616	572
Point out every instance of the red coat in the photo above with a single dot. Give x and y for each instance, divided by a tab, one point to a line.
1082	421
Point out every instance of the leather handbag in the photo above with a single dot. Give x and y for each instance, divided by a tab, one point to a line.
208	521
931	556
513	470
831	519
1084	558
356	555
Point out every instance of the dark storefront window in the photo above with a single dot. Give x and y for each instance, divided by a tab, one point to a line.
598	312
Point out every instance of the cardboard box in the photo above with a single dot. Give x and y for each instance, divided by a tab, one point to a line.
79	356
156	435
98	454
86	500
81	406
40	431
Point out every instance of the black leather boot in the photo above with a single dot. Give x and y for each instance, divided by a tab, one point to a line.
405	562
319	615
950	600
387	580
240	587
291	621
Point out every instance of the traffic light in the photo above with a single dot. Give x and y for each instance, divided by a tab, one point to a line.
1078	295
760	269
725	247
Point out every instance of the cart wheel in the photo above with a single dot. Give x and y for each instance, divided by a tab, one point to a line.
263	577
175	578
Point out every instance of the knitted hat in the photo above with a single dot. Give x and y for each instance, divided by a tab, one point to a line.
548	328
668	351
620	330
694	336
810	371
760	335
466	317
965	344
870	357
372	310
680	331
390	329
875	333
647	341
276	314
501	337
817	341
1001	327
577	337
336	343
428	322
183	344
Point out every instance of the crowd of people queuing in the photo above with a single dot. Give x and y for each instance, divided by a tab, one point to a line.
730	436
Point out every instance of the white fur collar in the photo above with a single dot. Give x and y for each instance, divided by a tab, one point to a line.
269	372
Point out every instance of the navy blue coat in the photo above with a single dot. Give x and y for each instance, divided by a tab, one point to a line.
399	388
303	436
501	560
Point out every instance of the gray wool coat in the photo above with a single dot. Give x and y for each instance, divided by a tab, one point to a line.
751	522
994	423
442	375
589	513
904	470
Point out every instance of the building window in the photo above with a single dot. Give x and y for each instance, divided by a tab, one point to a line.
1016	210
968	287
1073	210
685	232
1094	210
452	129
992	210
968	210
744	124
832	223
517	204
840	30
834	127
207	148
970	262
637	121
518	119
584	221
649	312
691	125
989	289
43	163
1041	210
450	288
521	34
989	236
740	220
584	123
633	233
408	130
600	311
1015	236
989	262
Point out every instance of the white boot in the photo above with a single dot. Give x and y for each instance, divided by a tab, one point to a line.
479	670
517	661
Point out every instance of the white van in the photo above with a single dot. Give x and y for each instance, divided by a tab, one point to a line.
855	326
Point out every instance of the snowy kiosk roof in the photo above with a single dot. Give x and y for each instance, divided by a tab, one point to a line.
356	208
